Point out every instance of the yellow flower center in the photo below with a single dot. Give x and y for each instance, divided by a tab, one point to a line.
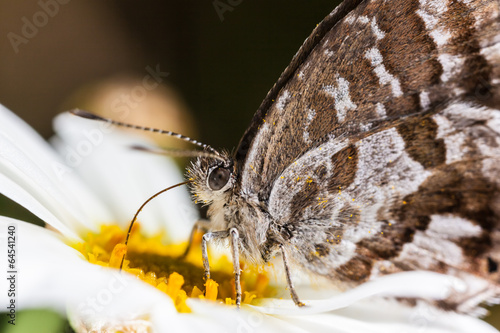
163	267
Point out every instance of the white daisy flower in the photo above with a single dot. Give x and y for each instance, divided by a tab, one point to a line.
89	187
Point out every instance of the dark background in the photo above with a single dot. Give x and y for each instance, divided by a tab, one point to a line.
222	67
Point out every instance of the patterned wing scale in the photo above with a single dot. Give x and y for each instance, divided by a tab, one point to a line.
392	161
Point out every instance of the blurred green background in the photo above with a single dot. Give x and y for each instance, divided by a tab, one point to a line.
222	64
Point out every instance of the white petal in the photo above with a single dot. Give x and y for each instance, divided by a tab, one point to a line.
21	170
183	322
230	319
421	284
31	163
124	178
20	195
377	316
388	316
52	274
357	310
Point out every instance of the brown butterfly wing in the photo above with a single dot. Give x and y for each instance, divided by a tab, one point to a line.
378	150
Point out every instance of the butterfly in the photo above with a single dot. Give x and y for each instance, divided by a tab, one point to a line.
377	151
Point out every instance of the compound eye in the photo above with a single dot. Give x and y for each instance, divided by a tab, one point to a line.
218	178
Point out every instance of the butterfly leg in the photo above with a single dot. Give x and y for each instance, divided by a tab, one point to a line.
236	263
233	233
202	225
293	293
204	253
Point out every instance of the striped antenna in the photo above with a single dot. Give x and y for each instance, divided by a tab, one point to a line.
88	115
175	152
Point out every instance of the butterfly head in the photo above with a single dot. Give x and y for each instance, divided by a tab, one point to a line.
212	179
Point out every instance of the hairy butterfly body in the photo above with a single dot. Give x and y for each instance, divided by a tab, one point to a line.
376	152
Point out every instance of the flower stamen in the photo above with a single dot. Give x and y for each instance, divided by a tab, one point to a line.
163	267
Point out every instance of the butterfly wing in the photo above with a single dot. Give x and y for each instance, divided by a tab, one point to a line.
379	148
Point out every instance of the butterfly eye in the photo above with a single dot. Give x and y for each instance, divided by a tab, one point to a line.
218	178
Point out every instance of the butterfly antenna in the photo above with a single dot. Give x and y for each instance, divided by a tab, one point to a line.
175	152
139	210
92	116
